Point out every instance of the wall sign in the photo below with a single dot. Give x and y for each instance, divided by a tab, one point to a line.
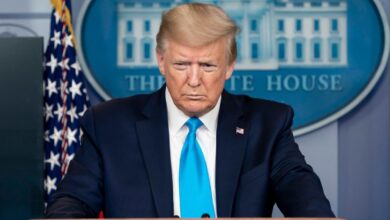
322	57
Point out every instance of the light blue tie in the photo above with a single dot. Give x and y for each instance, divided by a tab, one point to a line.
194	183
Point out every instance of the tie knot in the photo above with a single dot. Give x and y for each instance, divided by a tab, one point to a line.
193	124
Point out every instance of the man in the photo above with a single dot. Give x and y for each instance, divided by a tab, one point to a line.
190	149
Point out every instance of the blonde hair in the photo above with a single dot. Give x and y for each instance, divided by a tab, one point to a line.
197	24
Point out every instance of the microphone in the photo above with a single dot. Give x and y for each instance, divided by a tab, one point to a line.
205	215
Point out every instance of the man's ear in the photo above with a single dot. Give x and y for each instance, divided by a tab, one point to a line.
229	70
160	61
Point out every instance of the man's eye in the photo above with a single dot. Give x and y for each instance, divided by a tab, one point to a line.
180	66
208	67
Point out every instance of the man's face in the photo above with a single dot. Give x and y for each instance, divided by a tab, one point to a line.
195	76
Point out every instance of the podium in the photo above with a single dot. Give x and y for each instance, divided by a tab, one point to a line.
216	218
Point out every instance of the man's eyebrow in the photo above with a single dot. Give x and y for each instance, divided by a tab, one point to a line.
207	61
180	61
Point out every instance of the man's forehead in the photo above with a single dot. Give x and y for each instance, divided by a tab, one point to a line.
208	52
188	55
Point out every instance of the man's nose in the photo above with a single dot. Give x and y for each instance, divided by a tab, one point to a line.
194	76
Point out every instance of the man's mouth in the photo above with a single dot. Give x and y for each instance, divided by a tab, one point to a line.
194	96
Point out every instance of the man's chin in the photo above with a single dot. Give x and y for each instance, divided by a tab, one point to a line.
195	111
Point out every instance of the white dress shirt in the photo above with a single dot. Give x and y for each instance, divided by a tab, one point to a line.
206	137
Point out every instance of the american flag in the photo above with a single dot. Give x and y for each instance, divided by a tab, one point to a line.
65	97
239	130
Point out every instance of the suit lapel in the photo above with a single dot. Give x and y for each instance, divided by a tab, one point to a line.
153	136
231	144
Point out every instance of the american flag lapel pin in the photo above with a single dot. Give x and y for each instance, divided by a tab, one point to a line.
240	130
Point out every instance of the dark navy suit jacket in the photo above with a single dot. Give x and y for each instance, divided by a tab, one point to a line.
123	166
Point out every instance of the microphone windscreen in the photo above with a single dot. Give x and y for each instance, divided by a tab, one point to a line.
205	215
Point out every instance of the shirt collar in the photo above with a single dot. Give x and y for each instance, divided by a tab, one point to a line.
176	118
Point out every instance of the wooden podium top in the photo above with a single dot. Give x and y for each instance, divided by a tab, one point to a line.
217	218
